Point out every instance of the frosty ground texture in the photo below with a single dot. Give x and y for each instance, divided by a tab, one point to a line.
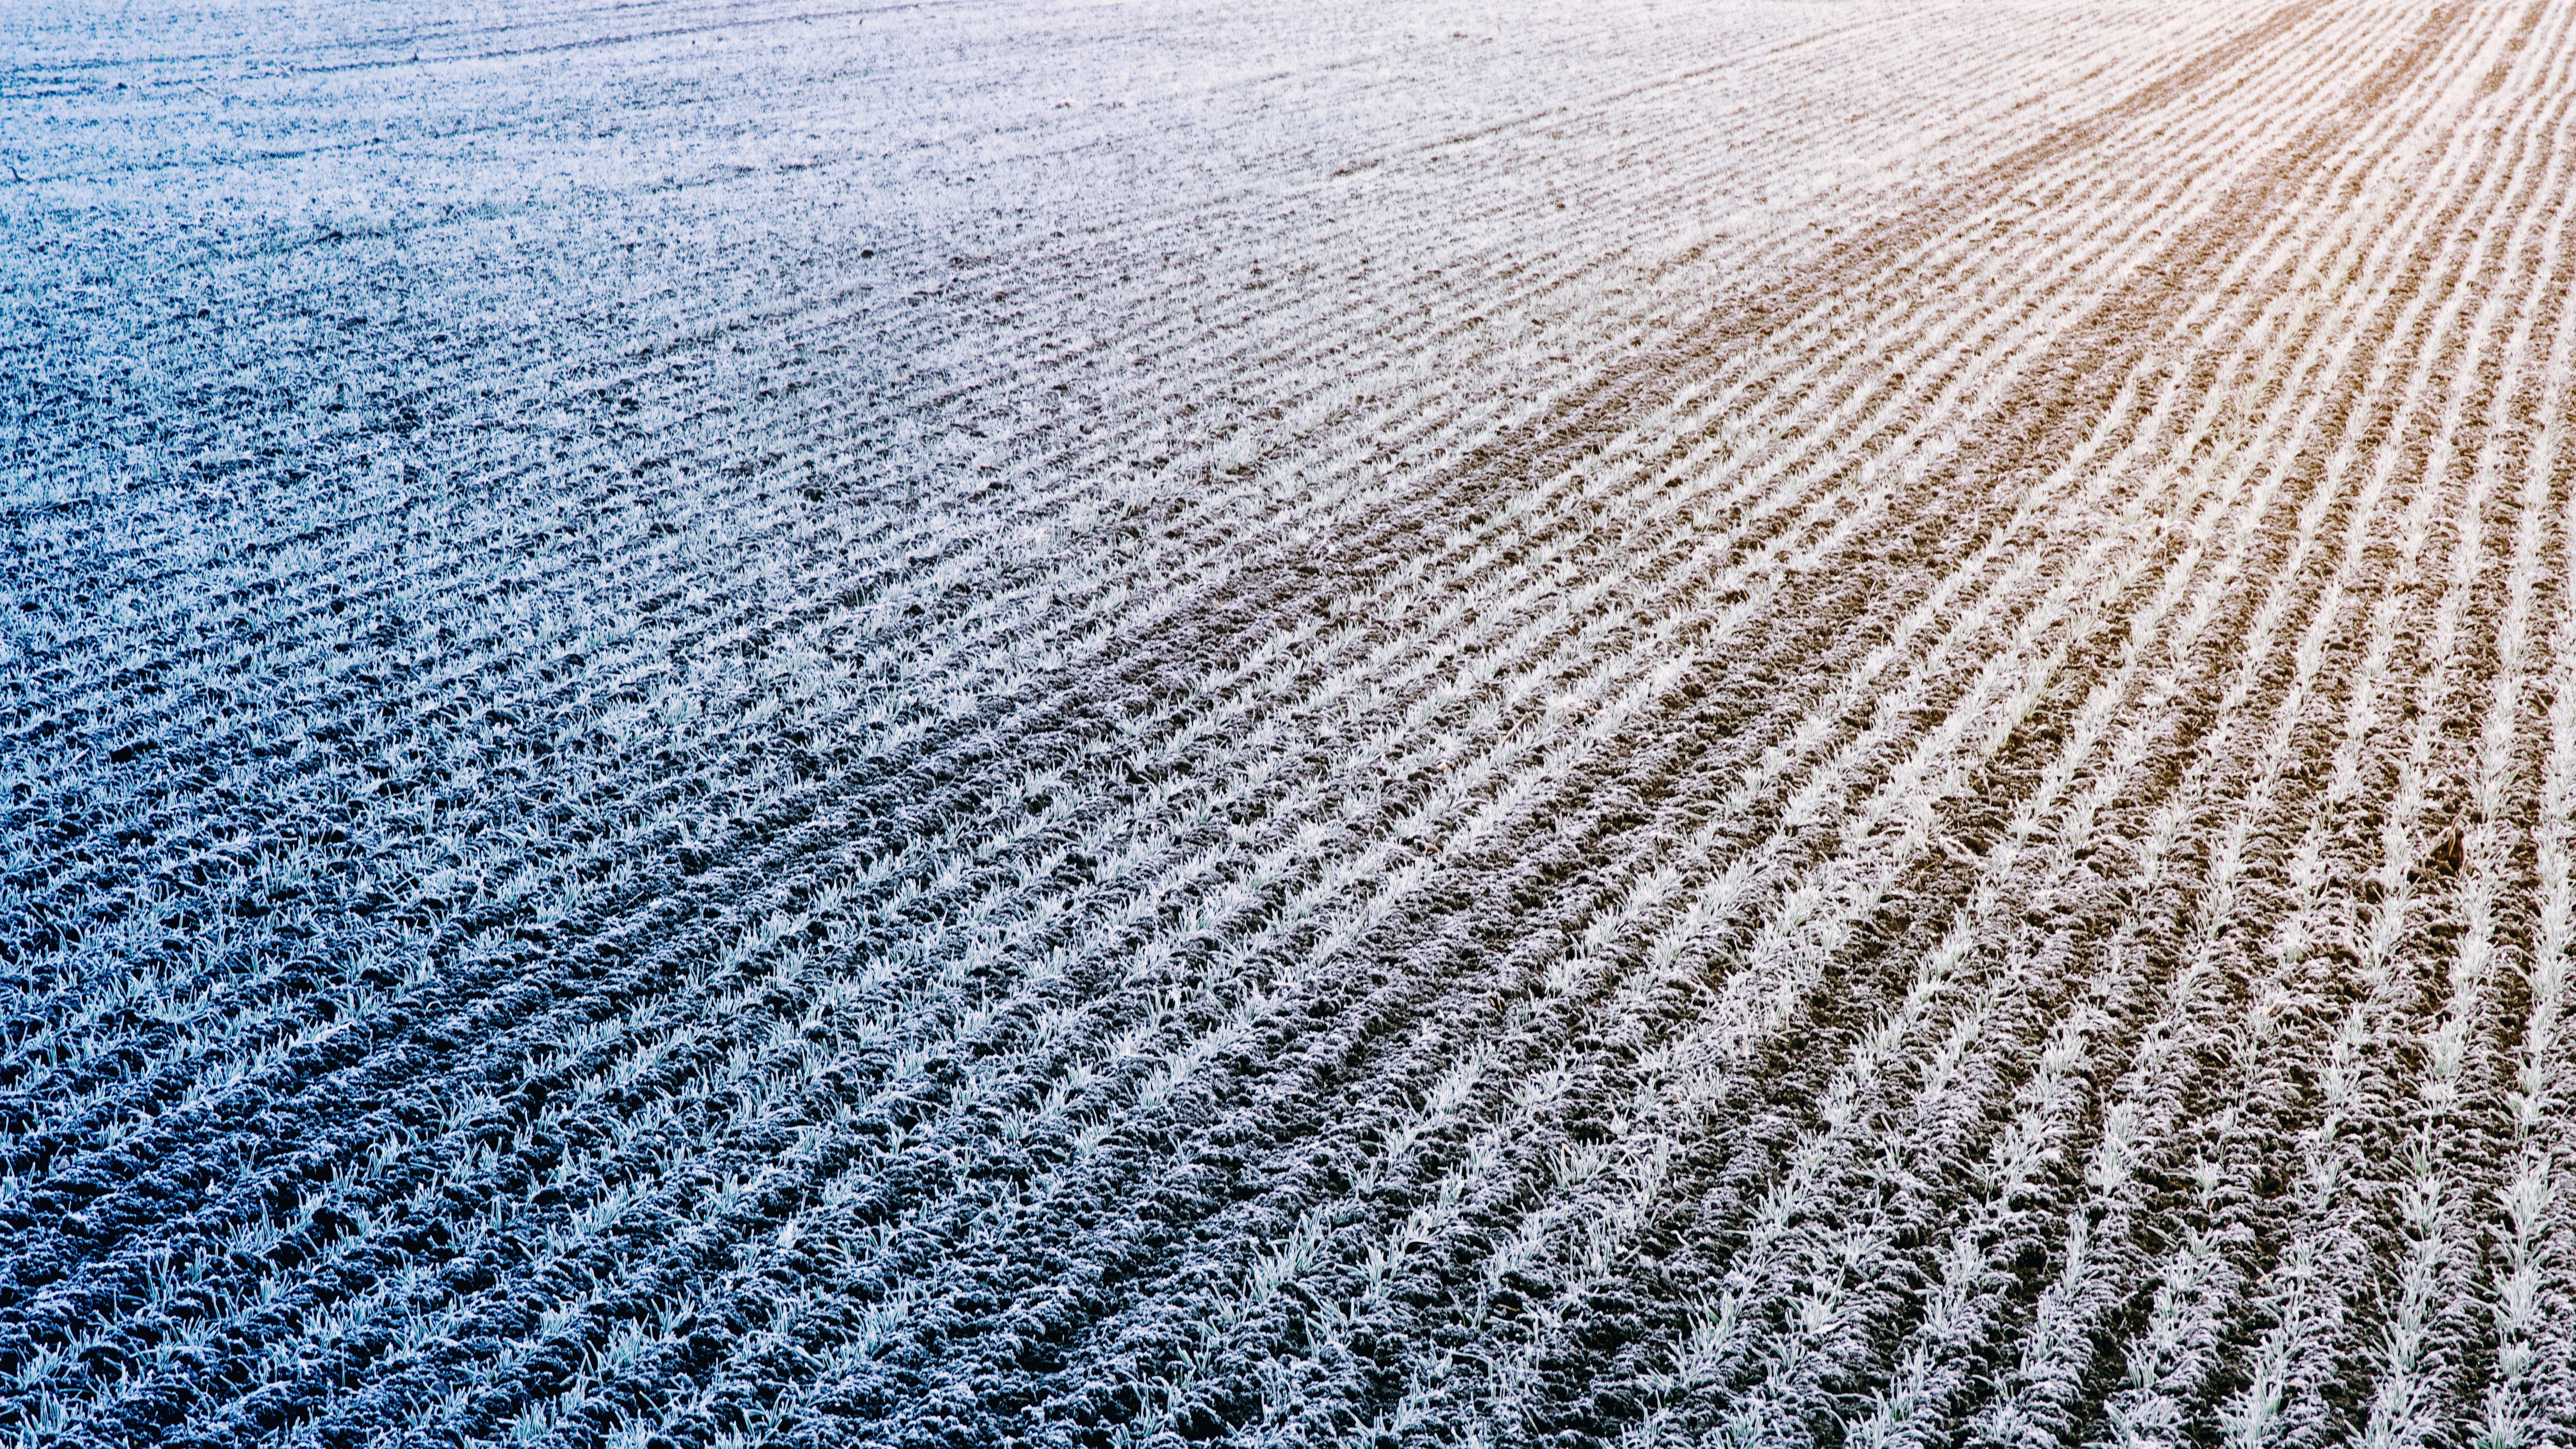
1760	723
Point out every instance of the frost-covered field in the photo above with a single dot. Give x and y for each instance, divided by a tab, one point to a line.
1403	722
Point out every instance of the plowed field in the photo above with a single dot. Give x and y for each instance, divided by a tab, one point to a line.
1761	723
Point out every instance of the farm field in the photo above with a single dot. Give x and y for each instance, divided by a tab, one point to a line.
1778	722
